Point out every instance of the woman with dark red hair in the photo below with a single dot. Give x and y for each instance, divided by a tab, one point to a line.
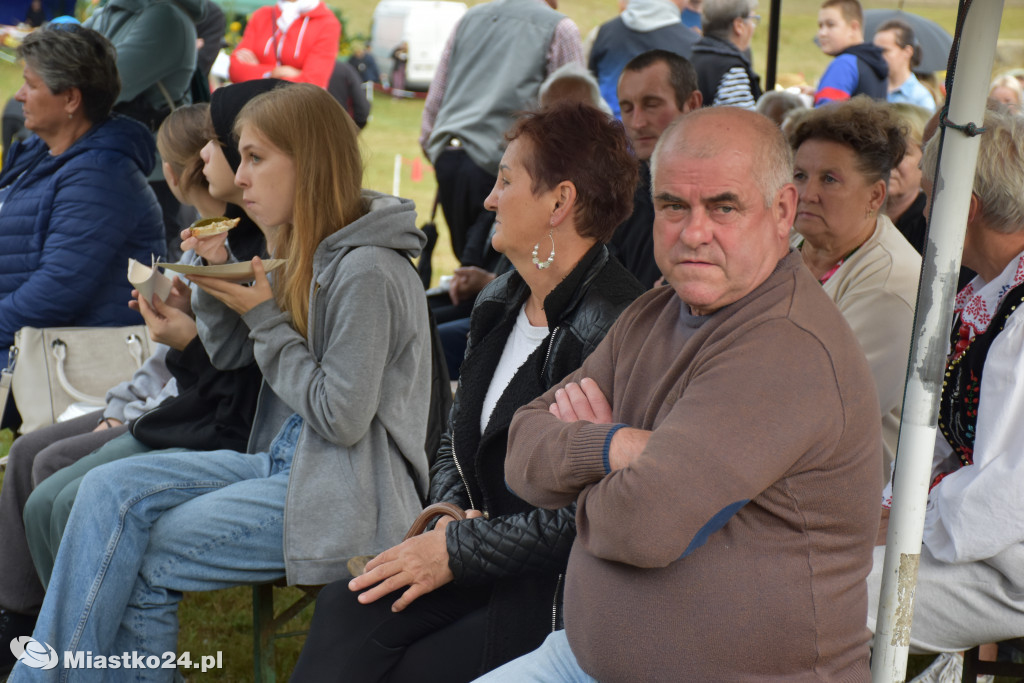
469	595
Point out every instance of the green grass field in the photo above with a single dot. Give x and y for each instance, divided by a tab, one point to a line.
222	620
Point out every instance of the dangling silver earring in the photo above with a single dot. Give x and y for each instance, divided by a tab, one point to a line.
541	265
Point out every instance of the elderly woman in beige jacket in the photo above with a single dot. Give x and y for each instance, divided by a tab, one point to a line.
844	154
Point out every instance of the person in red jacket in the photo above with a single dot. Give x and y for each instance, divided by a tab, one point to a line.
296	40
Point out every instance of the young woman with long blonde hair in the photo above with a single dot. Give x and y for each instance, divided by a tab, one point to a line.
335	465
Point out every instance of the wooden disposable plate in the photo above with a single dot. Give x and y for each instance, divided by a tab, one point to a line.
235	272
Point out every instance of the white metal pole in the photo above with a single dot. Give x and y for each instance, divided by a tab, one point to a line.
396	178
941	263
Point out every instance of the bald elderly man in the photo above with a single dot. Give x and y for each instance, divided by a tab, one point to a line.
721	444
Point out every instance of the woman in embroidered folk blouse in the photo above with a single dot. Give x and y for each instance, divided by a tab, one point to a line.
970	586
844	154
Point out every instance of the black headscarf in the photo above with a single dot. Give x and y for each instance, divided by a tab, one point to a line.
225	105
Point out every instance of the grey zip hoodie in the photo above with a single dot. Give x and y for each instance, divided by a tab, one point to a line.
360	380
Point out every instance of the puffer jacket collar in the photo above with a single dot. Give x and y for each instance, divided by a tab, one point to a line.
118	134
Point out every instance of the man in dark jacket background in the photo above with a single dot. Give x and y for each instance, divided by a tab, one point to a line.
723	68
655	88
644	25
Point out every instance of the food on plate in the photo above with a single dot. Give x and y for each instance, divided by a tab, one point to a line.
207	227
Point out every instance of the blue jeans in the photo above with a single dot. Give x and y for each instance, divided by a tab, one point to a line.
145	529
552	662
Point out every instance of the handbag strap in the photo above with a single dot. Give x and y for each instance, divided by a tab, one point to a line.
59	349
5	394
357	565
432	512
6	377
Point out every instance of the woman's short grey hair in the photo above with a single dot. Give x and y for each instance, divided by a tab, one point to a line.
718	15
70	56
777	104
999	176
577	73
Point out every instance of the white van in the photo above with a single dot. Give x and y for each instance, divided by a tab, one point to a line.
424	24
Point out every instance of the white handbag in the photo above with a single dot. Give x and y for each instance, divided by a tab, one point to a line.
54	367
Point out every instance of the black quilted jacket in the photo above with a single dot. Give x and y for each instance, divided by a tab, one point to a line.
518	549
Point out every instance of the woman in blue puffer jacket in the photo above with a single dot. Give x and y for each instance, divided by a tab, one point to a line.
74	203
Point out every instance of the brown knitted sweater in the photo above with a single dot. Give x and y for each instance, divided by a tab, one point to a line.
736	546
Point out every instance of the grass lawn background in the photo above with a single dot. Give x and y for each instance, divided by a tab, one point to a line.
222	620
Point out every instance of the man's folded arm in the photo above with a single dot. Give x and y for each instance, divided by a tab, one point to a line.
550	461
729	437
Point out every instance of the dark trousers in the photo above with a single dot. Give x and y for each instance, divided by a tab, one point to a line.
34	457
462	187
438	638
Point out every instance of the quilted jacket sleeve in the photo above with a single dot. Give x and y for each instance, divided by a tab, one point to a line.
445	481
481	550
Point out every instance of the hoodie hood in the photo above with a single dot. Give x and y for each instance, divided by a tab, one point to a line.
649	15
389	222
871	56
193	8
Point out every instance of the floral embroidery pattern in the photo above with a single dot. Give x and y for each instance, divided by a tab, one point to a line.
974	305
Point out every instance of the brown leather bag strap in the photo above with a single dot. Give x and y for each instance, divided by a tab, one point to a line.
432	512
357	565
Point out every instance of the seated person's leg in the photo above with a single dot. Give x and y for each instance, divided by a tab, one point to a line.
353	643
109	530
445	311
450	654
20	590
552	662
48	507
67	443
227	537
33	457
956	606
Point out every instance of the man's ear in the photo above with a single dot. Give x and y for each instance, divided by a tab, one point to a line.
785	207
737	26
693	102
